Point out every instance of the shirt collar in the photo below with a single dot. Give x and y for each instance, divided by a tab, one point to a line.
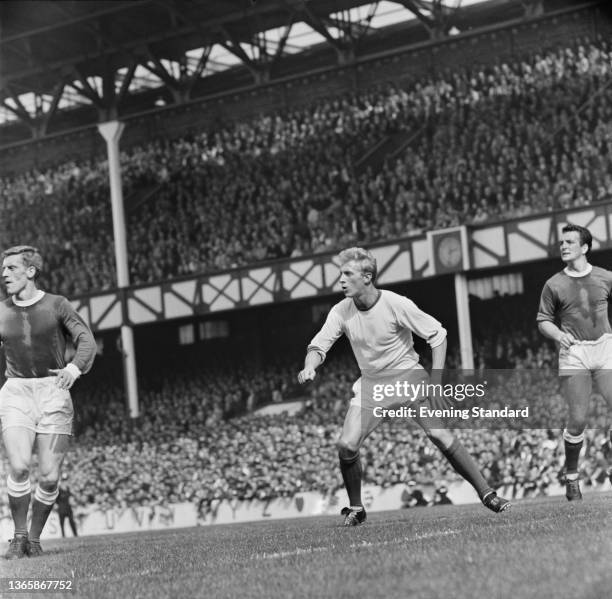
582	273
25	303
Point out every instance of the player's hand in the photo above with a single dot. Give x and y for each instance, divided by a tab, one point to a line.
64	379
567	340
308	374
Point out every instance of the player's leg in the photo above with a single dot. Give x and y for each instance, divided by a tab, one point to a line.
18	442
51	448
603	382
576	390
358	424
462	462
62	520
52	438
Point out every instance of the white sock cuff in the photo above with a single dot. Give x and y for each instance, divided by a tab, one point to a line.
46	497
16	489
567	436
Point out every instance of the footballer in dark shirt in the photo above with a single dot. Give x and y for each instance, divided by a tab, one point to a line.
573	312
35	403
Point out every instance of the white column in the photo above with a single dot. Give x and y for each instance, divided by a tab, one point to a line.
111	132
463	319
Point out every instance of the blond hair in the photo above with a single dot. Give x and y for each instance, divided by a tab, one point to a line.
363	257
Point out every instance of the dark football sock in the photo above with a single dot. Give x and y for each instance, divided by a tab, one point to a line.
465	465
572	453
350	466
19	510
41	508
19	502
40	513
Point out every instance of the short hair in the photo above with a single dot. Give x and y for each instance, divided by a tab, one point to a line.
366	260
30	255
585	235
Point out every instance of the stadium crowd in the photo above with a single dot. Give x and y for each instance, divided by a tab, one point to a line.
477	144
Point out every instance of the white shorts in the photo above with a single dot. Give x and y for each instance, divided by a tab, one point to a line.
36	404
587	355
370	392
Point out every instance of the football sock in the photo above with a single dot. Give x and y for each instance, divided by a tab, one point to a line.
464	464
19	502
350	466
41	508
573	446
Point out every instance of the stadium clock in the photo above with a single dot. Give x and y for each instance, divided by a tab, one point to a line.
448	250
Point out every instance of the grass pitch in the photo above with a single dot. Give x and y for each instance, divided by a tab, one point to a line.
540	549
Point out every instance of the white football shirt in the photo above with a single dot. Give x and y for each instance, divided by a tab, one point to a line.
381	337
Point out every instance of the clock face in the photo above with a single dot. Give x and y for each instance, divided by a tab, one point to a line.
449	252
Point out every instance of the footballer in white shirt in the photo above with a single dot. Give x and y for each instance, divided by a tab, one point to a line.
379	325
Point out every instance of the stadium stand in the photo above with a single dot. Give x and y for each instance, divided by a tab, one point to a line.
477	145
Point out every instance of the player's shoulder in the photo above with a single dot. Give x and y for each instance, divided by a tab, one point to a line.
602	273
343	306
394	298
559	278
58	303
54	298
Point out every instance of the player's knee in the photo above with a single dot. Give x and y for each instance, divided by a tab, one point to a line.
347	450
48	481
441	438
19	473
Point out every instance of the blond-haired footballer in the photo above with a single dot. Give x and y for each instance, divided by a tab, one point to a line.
379	325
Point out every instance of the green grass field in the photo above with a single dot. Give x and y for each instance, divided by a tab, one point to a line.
540	549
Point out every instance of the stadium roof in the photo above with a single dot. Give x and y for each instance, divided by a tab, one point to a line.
65	64
57	54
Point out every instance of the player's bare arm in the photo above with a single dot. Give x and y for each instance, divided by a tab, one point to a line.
438	358
311	363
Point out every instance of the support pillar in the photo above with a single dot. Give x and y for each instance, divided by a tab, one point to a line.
463	320
111	131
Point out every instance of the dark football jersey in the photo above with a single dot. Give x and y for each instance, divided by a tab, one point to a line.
578	305
34	337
